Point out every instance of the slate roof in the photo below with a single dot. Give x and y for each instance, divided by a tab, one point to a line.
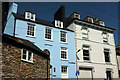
22	43
38	21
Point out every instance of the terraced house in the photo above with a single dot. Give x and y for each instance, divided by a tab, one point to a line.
86	46
95	47
58	41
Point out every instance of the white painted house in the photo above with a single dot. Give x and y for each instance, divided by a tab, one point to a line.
95	48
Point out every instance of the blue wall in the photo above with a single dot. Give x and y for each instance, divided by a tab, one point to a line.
53	46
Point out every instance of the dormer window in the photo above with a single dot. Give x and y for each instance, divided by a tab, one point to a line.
77	16
102	23
30	16
90	20
58	23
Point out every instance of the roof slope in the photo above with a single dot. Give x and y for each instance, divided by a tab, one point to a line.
22	43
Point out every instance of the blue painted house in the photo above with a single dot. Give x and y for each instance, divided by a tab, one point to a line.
52	36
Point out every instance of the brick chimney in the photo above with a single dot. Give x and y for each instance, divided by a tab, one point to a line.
60	14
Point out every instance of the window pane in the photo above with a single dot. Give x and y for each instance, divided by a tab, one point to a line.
29	56
28	15
48	33
32	16
63	36
64	69
86	52
105	38
84	32
24	54
30	30
64	53
107	57
108	73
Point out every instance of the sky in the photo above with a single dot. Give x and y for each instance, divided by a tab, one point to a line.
107	11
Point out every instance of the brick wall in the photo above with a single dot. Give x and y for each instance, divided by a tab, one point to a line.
14	67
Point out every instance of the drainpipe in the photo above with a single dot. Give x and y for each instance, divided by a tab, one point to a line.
47	68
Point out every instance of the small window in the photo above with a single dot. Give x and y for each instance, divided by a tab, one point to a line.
31	30
54	70
84	33
86	54
90	20
58	23
105	37
27	55
63	53
30	16
48	33
63	36
64	72
107	55
108	75
102	23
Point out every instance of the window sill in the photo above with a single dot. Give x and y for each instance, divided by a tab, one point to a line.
64	59
64	42
108	63
105	42
27	61
88	61
49	40
85	39
31	36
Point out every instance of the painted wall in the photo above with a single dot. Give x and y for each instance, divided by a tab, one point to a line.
97	60
53	46
9	28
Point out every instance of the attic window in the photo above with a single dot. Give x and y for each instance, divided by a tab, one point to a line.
30	16
90	20
77	16
102	23
58	23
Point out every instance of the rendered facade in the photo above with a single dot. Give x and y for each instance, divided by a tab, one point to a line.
96	57
86	46
58	40
118	58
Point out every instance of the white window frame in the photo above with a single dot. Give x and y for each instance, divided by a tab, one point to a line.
108	55
65	38
111	72
83	33
27	56
30	18
59	25
34	30
66	53
88	53
102	23
105	39
51	34
63	74
91	20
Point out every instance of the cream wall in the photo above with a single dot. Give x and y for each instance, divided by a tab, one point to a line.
97	60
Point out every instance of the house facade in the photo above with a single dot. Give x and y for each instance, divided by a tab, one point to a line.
118	58
21	59
95	47
52	36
